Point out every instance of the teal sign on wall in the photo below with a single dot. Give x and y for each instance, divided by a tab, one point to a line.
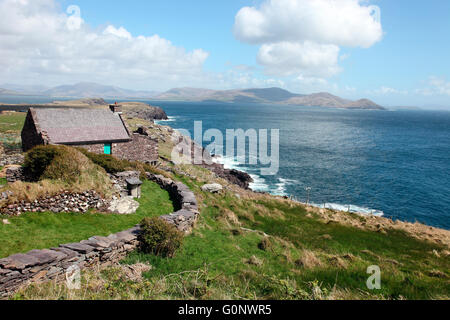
108	148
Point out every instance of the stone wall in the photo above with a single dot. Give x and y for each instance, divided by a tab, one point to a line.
140	148
94	148
119	181
45	265
11	159
63	202
52	264
14	174
184	200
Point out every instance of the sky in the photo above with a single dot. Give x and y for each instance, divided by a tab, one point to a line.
393	52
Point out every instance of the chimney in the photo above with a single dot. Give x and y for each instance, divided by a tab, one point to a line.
116	108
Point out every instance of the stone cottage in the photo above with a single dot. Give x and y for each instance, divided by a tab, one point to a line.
97	130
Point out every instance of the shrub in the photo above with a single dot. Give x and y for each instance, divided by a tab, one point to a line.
107	162
39	158
160	238
58	168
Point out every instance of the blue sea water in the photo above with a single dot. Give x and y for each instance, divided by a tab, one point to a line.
391	163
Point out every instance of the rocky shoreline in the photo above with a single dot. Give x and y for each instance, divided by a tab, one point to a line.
239	178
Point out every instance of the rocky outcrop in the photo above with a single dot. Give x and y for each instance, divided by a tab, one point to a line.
212	188
240	178
147	113
124	205
237	177
64	202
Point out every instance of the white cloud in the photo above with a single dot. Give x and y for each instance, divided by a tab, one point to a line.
308	58
305	35
435	86
388	91
340	22
39	42
121	32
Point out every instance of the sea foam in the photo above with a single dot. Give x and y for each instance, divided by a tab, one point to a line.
349	208
170	119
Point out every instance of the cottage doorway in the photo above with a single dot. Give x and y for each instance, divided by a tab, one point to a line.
108	148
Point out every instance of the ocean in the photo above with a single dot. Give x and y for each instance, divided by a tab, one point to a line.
387	163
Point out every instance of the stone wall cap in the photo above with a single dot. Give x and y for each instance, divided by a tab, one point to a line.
78	247
46	256
133	182
18	261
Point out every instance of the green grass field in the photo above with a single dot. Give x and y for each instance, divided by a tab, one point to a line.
11	125
46	230
12	122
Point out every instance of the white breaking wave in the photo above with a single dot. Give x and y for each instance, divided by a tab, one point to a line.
349	208
171	119
259	184
281	186
228	163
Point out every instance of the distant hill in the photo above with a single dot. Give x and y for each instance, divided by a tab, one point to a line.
90	89
7	92
24	89
269	95
265	95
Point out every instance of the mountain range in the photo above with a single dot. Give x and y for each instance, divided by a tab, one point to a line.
266	95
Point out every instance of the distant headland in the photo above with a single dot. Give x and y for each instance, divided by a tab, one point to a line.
264	95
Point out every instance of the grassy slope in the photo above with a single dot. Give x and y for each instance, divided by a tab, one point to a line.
214	260
12	122
45	230
408	265
213	263
11	125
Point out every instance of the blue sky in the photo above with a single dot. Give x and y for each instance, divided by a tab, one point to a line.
400	60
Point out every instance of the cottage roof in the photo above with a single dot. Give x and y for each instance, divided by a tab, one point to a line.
74	126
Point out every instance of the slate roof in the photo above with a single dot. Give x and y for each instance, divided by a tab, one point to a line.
77	126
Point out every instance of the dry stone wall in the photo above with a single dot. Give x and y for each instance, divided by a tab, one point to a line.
184	199
11	159
52	264
63	202
45	265
139	148
14	174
